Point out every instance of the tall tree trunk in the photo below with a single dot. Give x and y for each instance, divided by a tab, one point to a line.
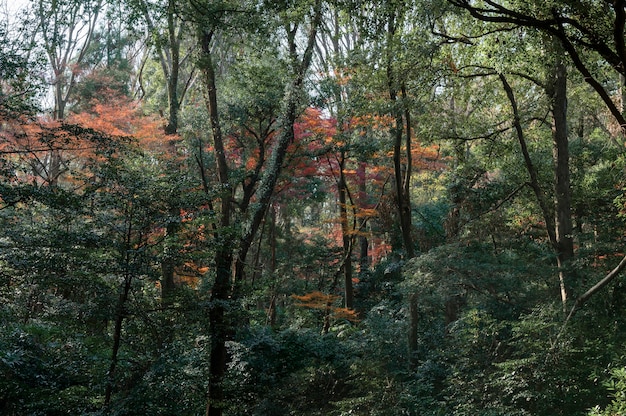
547	214
271	312
120	310
401	173
286	135
169	58
557	91
221	327
406	180
622	89
345	233
172	79
120	314
560	236
220	292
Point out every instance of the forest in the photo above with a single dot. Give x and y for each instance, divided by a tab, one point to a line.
313	207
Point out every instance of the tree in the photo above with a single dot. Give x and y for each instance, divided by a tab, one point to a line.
166	32
581	36
208	19
66	30
597	28
19	87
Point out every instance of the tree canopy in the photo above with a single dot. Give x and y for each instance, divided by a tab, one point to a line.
312	207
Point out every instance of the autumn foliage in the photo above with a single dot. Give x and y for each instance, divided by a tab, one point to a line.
317	300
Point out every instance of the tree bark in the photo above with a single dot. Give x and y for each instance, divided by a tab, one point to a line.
345	233
401	173
557	91
548	216
221	327
172	79
220	291
364	260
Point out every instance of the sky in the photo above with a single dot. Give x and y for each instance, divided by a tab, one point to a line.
11	7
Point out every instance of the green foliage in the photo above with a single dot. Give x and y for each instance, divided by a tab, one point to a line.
616	385
19	86
473	325
48	370
288	372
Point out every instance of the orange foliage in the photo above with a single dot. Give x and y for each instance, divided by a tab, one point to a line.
122	117
316	300
379	250
52	150
190	274
48	150
322	301
427	157
372	121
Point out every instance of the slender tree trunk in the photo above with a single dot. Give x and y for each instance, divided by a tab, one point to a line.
120	314
548	216
622	89
271	313
346	237
406	180
560	235
557	90
172	80
220	292
364	260
401	172
169	57
286	135
220	330
120	310
221	327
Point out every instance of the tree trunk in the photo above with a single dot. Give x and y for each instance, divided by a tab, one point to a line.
120	313
557	91
169	57
271	313
401	173
221	330
286	135
345	233
120	310
406	180
221	327
364	260
559	222
172	80
548	217
220	292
